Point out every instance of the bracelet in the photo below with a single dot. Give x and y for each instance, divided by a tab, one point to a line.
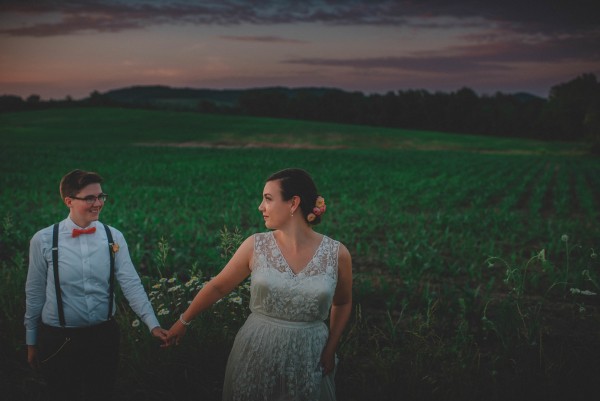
183	321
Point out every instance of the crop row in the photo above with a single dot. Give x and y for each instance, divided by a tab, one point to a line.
431	305
400	211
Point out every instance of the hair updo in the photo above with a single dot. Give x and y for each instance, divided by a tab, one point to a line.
297	182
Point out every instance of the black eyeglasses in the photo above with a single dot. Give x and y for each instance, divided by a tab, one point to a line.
91	199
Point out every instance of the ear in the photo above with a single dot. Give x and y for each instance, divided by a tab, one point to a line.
295	203
68	201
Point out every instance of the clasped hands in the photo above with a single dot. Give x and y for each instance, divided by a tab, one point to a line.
170	337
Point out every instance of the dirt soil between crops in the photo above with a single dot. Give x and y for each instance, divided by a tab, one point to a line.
288	145
240	145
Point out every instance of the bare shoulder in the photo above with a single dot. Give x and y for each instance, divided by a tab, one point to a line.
247	247
241	259
344	258
344	252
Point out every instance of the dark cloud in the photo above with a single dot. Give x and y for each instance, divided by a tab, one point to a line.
425	64
532	16
516	31
549	17
483	58
262	39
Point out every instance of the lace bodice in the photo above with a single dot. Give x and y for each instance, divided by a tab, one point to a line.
276	291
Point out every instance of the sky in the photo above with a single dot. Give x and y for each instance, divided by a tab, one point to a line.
56	49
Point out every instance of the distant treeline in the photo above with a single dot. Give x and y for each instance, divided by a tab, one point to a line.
571	112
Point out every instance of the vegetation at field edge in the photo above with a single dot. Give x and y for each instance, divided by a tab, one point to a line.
476	273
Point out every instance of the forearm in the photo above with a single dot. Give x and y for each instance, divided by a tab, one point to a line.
33	312
35	291
340	314
208	295
232	274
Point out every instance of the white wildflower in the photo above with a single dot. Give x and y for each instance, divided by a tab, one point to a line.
582	292
162	280
156	286
163	312
171	280
174	288
237	300
564	238
135	323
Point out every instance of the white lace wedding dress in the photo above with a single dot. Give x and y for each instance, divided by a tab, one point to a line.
277	351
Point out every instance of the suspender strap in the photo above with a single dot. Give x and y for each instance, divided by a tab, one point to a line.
59	304
111	279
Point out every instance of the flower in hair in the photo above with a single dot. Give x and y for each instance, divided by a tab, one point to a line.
318	210
320	202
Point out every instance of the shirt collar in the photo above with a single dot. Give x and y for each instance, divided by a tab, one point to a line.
70	225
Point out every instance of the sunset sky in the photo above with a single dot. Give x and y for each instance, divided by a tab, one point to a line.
70	48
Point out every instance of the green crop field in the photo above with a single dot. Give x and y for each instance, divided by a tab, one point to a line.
475	258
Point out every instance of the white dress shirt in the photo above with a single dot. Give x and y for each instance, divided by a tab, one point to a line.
84	270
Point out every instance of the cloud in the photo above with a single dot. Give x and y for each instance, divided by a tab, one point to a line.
550	17
263	39
431	64
489	57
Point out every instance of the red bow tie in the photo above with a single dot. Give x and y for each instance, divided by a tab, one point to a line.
77	232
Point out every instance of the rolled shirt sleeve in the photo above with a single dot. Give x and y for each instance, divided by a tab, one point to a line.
35	286
130	283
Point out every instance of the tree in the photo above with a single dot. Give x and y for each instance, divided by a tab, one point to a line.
568	106
11	103
33	99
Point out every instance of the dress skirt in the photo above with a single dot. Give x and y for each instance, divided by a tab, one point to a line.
278	360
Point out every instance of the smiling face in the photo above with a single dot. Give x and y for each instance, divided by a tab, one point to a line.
82	213
274	209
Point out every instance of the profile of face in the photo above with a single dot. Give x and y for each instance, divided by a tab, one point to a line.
274	209
82	212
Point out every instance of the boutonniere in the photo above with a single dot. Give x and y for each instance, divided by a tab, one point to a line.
115	247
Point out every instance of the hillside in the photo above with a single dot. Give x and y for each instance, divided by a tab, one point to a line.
569	114
120	125
164	96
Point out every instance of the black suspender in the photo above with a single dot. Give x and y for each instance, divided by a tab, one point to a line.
61	312
111	279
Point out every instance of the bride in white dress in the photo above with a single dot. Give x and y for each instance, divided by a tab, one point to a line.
284	350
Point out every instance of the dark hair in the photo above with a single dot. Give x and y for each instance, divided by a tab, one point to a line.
76	180
297	182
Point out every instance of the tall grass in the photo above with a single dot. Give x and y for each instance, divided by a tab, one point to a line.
454	298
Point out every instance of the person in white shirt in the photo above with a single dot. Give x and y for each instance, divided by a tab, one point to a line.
71	333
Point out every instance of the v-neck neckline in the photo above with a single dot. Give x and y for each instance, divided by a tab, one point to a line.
285	260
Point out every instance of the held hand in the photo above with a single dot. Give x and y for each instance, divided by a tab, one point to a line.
176	333
32	356
161	334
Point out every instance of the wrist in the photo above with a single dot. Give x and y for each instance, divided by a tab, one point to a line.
183	321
